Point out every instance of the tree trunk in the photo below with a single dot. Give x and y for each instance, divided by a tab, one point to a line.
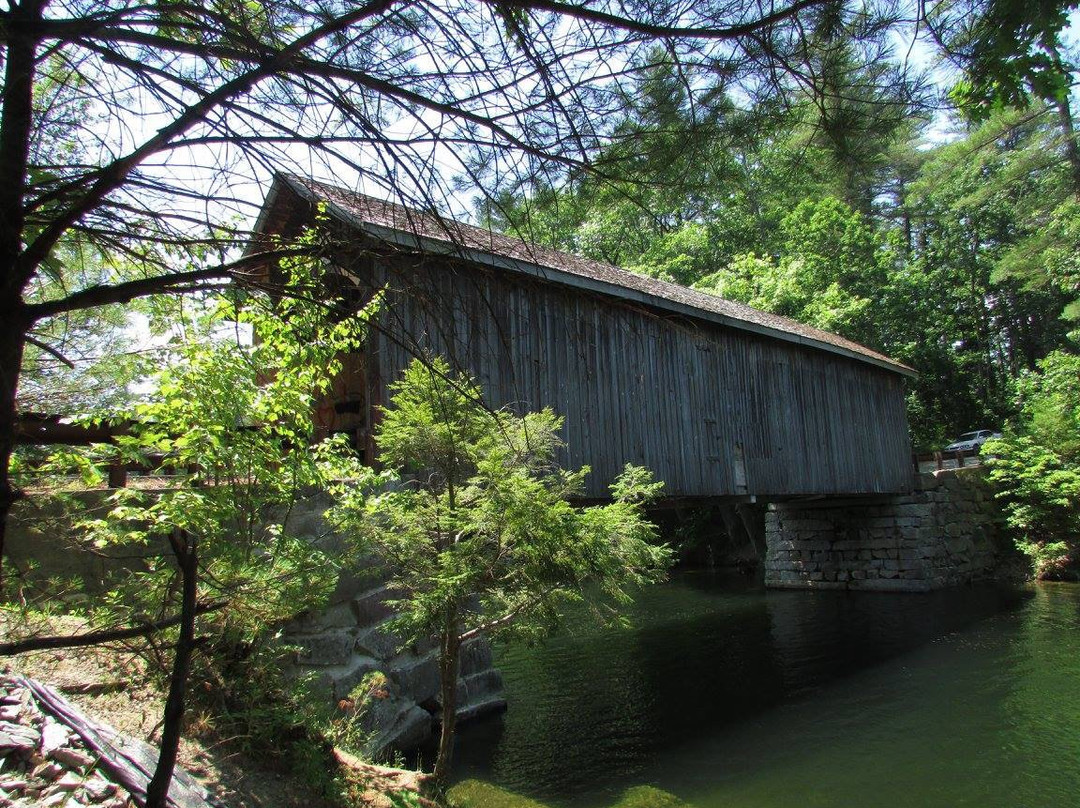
16	125
448	672
1072	150
184	547
11	351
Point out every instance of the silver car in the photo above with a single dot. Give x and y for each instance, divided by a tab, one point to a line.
972	440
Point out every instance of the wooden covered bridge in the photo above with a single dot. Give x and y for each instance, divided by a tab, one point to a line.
716	398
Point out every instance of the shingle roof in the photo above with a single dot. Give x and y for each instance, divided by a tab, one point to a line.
412	228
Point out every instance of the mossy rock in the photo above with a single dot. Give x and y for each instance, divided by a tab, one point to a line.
649	797
477	794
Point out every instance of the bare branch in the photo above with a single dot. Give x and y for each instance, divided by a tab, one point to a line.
507	618
101	637
50	350
113	175
704	31
106	294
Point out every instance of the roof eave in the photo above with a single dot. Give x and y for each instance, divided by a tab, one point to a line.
550	274
408	240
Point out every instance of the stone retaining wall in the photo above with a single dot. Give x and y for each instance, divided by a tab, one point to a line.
351	643
942	534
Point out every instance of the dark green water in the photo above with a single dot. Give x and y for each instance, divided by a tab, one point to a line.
738	697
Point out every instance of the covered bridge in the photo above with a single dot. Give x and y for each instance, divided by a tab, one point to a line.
716	398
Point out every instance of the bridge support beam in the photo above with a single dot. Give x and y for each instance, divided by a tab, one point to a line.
942	534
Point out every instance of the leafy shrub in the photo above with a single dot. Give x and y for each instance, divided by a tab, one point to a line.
1037	467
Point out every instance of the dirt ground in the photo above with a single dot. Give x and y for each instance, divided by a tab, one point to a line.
111	686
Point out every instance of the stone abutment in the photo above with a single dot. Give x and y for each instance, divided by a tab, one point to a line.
352	653
944	533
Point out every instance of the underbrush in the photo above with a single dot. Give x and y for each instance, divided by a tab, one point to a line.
254	736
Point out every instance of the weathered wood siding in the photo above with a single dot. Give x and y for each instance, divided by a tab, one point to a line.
711	410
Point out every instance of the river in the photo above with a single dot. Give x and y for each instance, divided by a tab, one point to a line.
726	695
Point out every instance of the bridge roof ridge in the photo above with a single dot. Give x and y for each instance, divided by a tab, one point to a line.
428	231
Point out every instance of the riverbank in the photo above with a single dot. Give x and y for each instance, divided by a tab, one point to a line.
114	688
724	696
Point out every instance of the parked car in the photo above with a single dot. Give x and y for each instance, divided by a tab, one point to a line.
972	440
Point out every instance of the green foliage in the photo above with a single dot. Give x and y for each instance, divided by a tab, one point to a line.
681	256
786	287
831	264
472	516
837	244
1052	404
969	306
472	520
669	195
80	363
1037	467
1046	260
1012	49
228	423
243	696
233	422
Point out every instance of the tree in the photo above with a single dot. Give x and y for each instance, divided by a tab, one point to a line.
139	129
832	264
856	101
80	362
1010	51
703	164
472	520
232	420
1030	155
1037	467
670	164
1012	55
956	306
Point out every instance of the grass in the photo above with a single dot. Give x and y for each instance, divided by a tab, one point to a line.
476	794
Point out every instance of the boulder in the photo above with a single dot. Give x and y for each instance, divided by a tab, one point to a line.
390	720
371	607
420	678
330	648
380	641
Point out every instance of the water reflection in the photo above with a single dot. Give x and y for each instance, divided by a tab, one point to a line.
674	701
986	717
819	636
